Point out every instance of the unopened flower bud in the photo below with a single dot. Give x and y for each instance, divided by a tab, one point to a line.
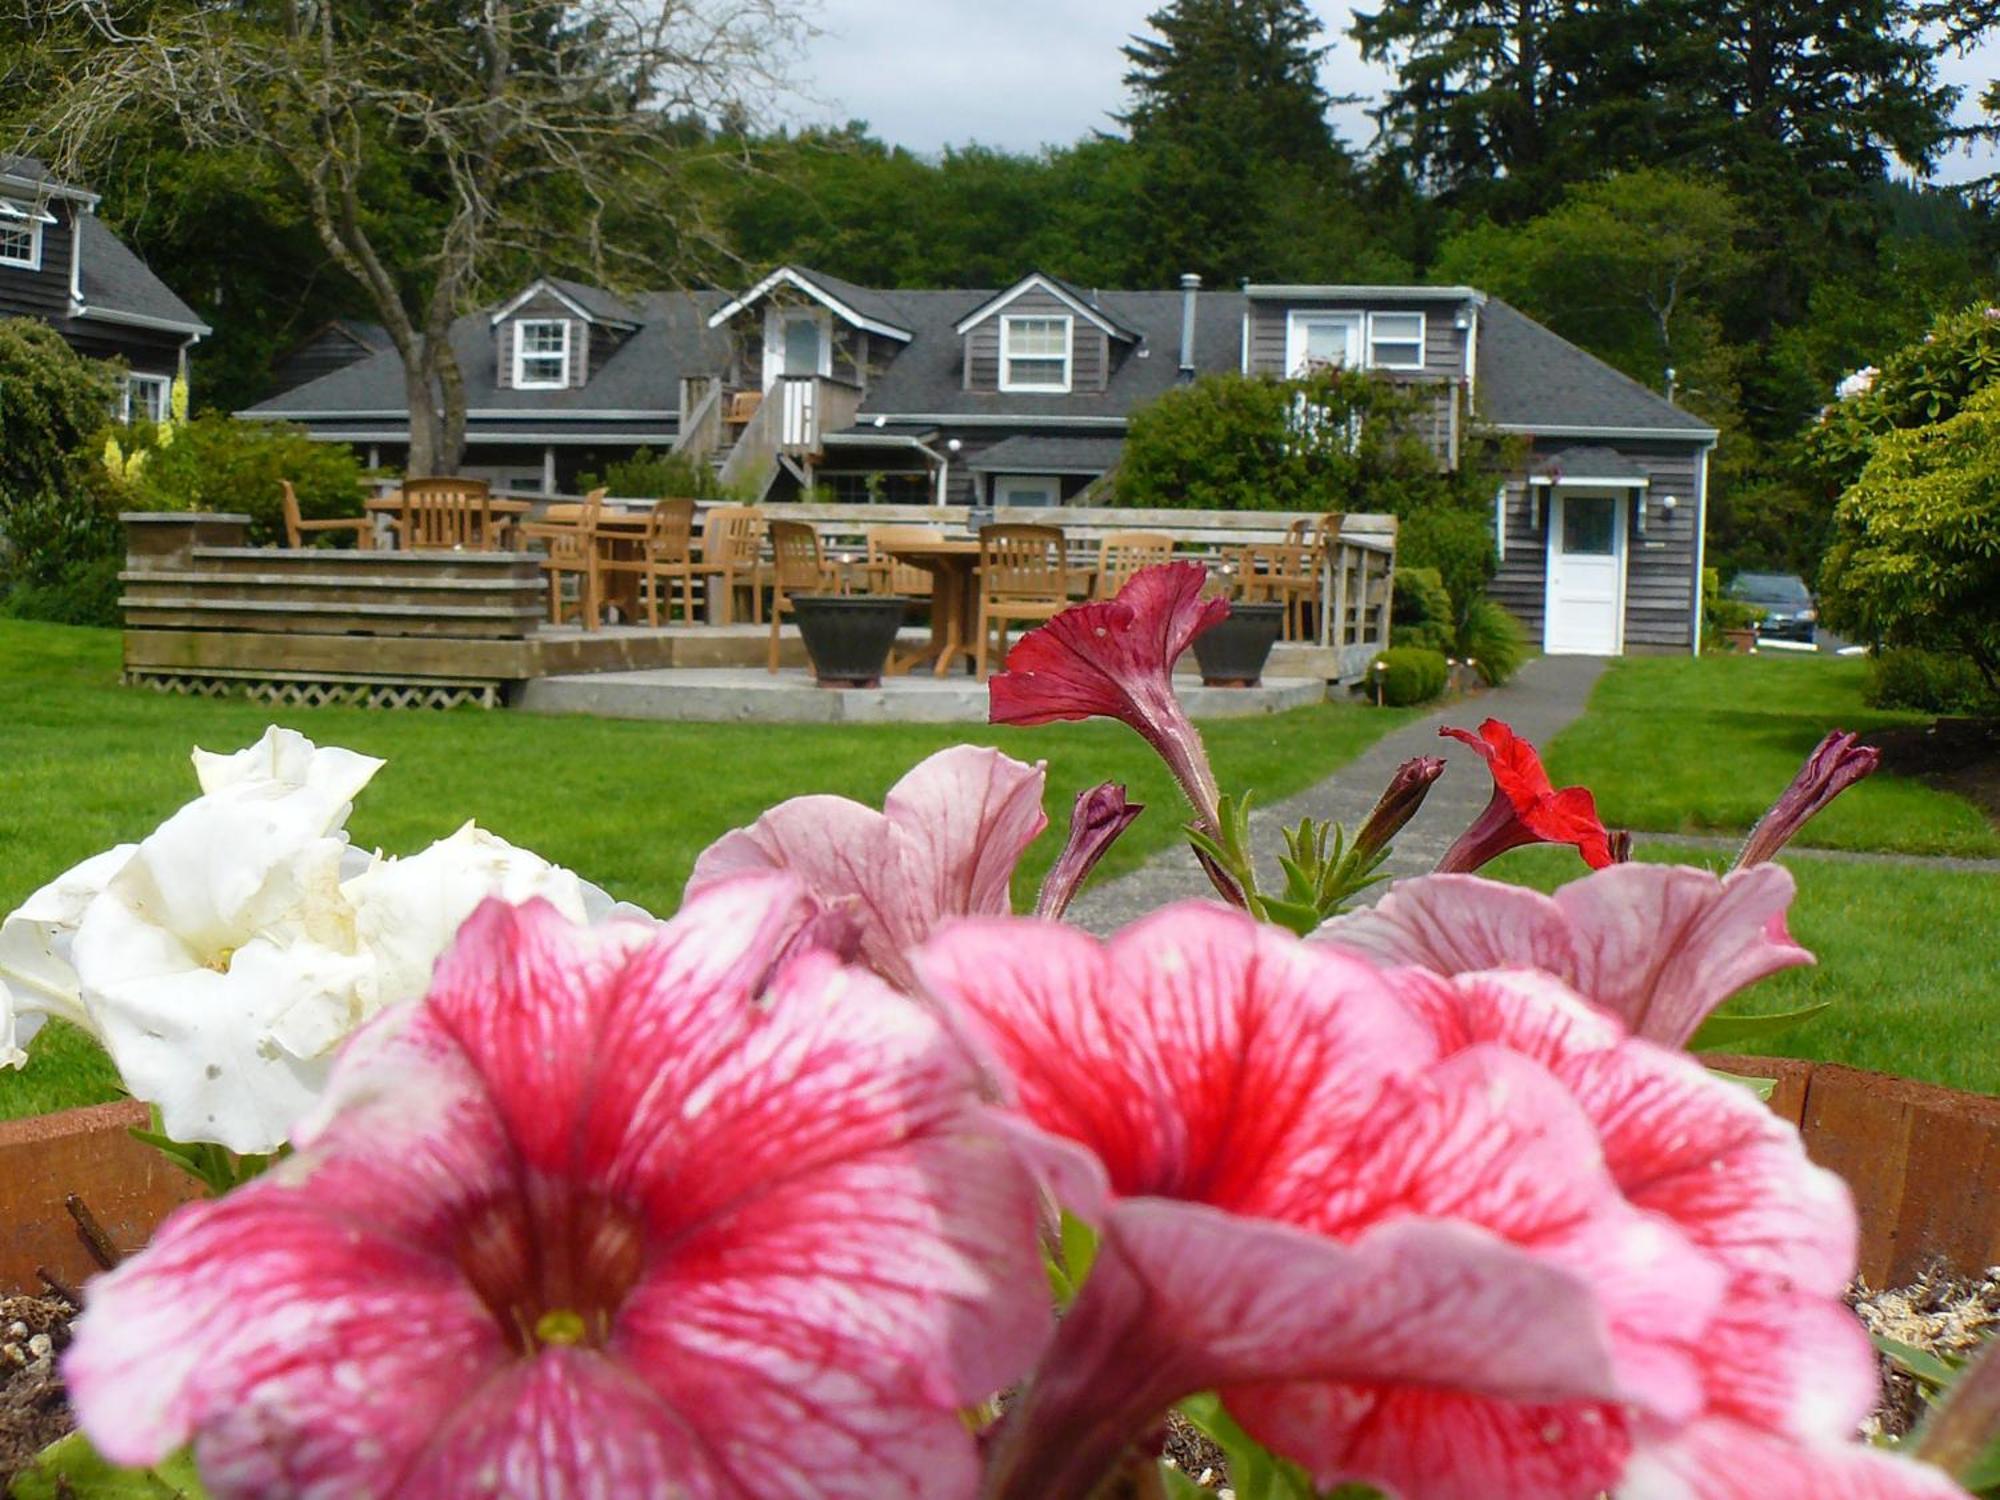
1398	804
1839	761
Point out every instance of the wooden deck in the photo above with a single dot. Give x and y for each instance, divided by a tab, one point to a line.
207	614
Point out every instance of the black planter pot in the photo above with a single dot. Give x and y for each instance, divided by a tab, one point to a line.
1233	653
848	637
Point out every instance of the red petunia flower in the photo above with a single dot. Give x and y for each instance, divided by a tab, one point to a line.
1114	659
1526	808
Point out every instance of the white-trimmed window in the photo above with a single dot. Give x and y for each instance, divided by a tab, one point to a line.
21	236
1035	353
541	354
1396	340
146	398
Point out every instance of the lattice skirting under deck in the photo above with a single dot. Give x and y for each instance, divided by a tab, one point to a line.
319	692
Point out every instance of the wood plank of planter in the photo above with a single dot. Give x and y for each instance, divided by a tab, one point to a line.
129	1187
389	658
1921	1161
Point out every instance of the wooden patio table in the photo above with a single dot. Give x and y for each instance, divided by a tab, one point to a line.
953	564
621	533
389	507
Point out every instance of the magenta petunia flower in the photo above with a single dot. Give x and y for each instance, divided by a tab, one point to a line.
1659	946
1114	659
684	1210
944	845
1098	816
1526	807
1837	762
1401	1268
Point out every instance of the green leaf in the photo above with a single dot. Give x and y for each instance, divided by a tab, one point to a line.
1919	1364
1300	917
1763	1088
73	1470
1178	1486
1726	1031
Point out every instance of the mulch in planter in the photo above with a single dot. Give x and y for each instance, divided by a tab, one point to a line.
34	1409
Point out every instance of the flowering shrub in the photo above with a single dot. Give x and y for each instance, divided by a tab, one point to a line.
847	1181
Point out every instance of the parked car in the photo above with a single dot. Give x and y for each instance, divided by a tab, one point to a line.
1786	602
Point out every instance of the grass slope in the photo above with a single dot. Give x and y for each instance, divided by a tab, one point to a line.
85	763
1704	744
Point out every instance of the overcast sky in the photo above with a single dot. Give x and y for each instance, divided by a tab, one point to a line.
1025	73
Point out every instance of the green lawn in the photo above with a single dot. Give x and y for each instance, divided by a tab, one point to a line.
85	763
1906	960
1703	745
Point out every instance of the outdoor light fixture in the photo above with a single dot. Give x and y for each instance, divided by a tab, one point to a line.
1669	503
954	445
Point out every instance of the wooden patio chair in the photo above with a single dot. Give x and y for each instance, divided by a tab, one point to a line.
797	567
1122	553
665	556
731	539
448	514
571	537
1023	575
885	574
297	528
742	407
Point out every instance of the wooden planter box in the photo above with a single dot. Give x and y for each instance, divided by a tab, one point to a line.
128	1187
1924	1164
1923	1161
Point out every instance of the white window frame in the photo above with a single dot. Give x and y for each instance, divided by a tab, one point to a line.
1300	320
1374	337
1007	381
1047	484
522	355
14	217
155	407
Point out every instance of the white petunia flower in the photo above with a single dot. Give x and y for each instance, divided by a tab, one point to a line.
285	761
37	977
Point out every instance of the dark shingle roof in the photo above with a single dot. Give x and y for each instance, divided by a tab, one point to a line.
603	306
877	306
1531	377
116	280
1024	454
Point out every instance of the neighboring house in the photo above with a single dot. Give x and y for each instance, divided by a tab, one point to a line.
60	264
332	346
1021	397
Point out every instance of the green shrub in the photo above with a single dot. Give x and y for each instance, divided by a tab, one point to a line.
1719	612
60	555
1421	614
217	462
51	400
1492	639
1458	544
1933	682
1410	674
647	475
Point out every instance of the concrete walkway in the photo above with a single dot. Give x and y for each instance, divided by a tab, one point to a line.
1543	698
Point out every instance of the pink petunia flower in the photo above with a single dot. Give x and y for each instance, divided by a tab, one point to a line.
1659	946
1461	1239
1400	1268
1526	808
622	1211
944	845
1785	1371
1114	659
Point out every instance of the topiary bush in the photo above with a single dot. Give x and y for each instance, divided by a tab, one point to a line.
1409	674
1933	682
1492	639
1421	614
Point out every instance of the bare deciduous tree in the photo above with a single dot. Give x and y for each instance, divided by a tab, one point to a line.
503	126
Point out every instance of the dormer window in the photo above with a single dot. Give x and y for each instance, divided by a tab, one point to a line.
21	236
1396	340
1035	353
541	354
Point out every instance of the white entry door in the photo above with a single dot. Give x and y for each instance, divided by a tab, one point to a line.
1585	602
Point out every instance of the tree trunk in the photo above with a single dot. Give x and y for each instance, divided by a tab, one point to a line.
425	457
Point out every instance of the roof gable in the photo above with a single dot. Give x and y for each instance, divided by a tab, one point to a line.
1531	379
857	305
590	303
1062	291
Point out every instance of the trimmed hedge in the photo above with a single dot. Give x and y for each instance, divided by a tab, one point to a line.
1410	674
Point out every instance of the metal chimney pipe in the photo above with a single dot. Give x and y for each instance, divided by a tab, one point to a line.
1190	289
